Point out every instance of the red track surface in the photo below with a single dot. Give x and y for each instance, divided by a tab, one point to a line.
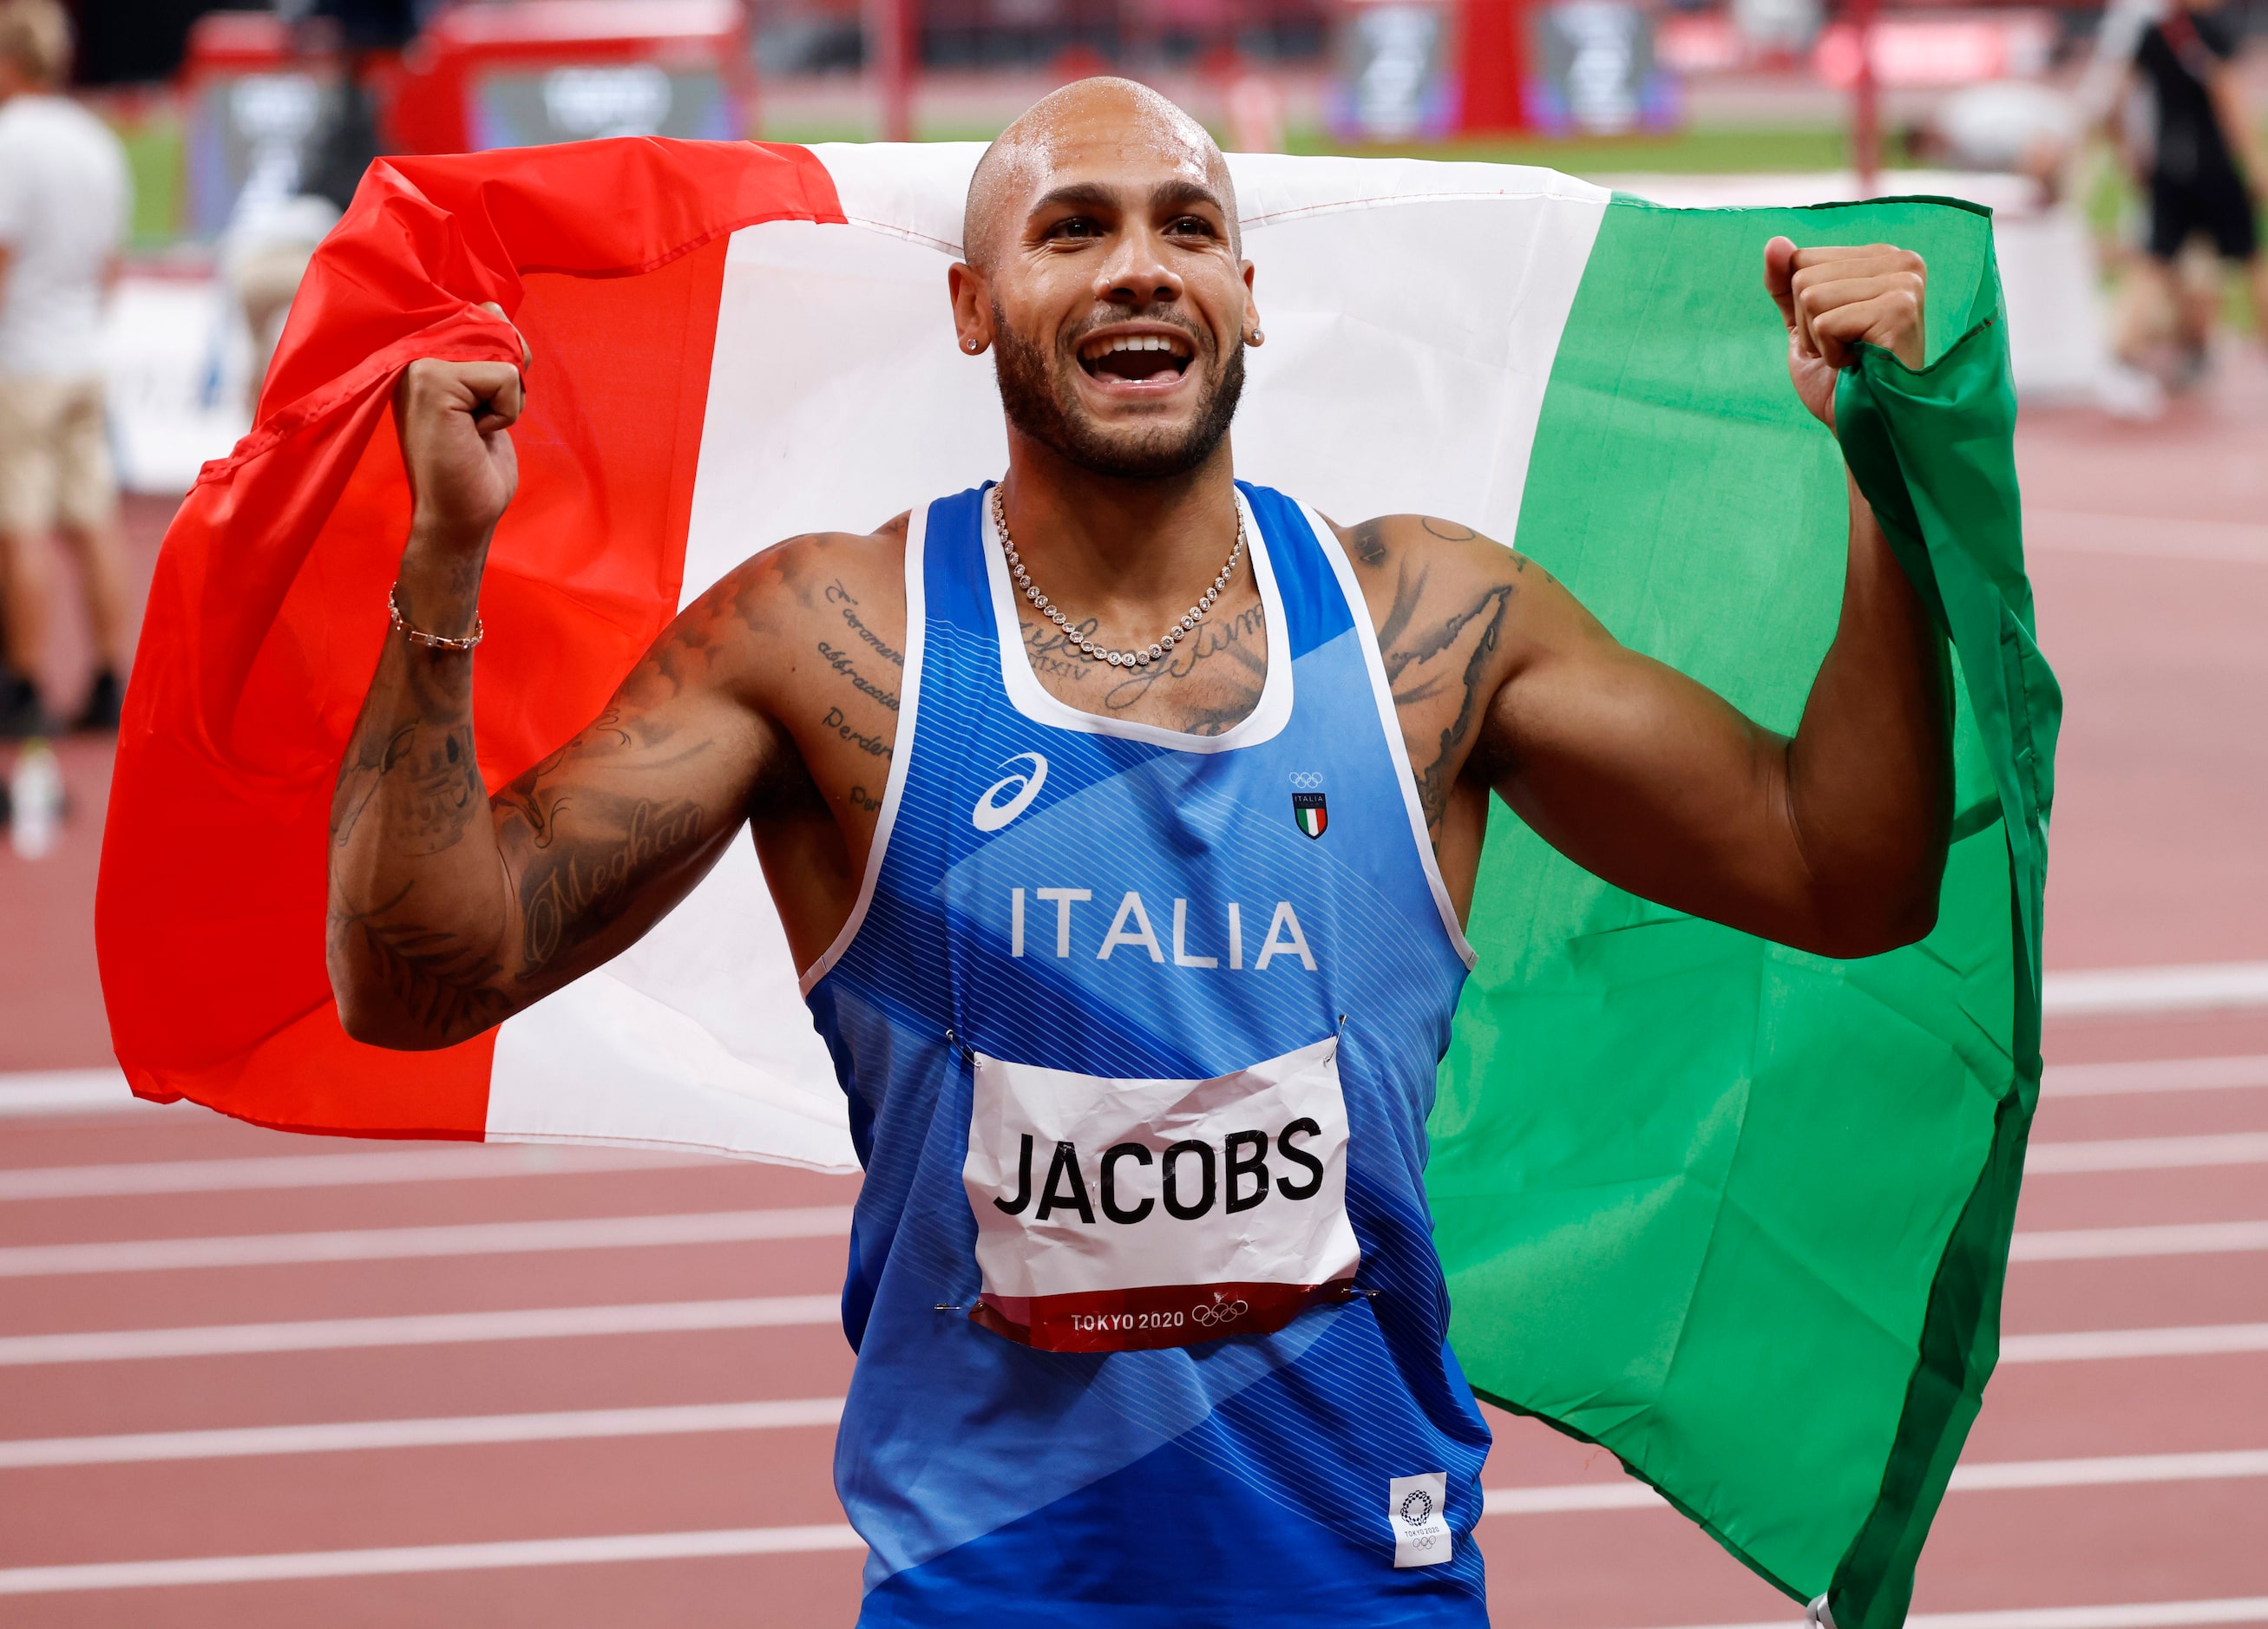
2164	792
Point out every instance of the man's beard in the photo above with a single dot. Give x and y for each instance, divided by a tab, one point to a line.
1038	403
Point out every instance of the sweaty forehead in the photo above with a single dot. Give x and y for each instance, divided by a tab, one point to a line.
1102	132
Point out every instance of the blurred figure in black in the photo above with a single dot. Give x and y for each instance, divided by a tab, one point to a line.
2203	178
363	32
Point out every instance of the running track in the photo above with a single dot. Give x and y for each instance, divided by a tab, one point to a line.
255	1380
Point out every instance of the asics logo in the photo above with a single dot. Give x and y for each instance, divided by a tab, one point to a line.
991	813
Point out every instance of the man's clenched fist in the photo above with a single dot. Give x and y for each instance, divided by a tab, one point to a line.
1833	299
452	418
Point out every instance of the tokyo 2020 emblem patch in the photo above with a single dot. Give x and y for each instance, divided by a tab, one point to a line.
1309	812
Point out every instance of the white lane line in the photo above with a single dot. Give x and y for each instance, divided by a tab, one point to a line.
1630	1495
478	1160
420	1330
1999	1477
2199	987
450	1163
2137	1615
804	1540
2190	1239
2110	1080
2079	1346
94	1091
255	1250
349	1436
26	1094
2112	1471
780	1311
2056	1159
2091	531
237	1569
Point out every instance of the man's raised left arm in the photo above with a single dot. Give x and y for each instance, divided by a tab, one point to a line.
1833	839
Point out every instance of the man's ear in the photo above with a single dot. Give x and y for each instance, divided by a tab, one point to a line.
972	307
1252	333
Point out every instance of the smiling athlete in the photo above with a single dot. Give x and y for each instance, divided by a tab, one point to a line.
1124	819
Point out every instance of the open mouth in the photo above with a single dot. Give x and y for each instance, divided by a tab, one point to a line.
1142	358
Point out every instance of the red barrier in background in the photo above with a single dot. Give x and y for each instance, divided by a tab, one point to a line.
1493	66
522	72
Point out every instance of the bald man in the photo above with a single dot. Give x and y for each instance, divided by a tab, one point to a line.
1124	820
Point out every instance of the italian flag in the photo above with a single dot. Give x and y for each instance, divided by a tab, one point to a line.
1737	1213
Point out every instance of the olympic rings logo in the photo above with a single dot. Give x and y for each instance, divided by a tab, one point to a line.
1218	1315
1306	781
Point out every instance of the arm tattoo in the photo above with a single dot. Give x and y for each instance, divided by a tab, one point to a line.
839	659
1479	625
1436	662
426	767
442	985
571	886
842	600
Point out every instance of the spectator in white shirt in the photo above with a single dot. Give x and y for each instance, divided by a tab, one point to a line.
63	200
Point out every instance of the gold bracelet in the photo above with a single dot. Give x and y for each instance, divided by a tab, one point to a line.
418	636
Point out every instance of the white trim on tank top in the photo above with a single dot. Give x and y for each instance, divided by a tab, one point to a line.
1029	697
1359	607
902	748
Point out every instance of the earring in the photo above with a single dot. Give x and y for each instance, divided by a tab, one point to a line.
1258	338
971	346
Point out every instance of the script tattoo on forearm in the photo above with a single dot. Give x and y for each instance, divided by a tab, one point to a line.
576	854
572	884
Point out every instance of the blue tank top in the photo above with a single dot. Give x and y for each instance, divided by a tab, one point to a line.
1139	1032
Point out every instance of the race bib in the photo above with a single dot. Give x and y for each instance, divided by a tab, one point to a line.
1116	1214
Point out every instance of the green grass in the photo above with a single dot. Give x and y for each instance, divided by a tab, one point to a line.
153	155
1687	152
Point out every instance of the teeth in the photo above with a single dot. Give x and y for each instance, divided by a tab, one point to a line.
1140	342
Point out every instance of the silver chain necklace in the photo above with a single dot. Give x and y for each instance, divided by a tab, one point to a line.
1054	612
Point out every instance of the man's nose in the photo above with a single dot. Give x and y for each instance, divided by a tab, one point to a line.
1136	273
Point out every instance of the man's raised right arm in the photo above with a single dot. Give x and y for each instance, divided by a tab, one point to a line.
449	910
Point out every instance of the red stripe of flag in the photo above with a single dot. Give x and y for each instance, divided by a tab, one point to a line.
267	612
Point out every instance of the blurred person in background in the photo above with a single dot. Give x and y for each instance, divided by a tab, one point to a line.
2010	127
2203	171
279	221
64	197
263	255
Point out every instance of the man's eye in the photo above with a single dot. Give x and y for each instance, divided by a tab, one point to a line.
1075	226
1192	224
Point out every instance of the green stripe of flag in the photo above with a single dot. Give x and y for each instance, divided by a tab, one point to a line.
1735	1212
